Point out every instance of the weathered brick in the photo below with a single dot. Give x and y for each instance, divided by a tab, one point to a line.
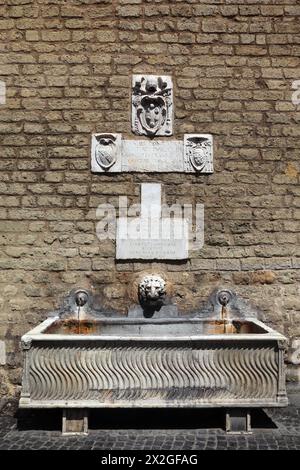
214	26
55	35
272	10
6	24
102	264
156	10
187	83
32	35
129	11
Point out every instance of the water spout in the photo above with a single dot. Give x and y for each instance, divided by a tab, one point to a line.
224	297
224	317
223	313
152	293
81	299
78	319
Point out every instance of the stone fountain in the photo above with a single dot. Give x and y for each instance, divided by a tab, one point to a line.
220	355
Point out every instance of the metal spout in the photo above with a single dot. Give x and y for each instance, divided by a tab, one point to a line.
81	298
224	297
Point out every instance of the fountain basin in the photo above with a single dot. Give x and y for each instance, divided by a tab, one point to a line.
129	362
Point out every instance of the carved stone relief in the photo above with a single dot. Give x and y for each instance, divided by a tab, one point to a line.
151	288
198	153
152	105
106	152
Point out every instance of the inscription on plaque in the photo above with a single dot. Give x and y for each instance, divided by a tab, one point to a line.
111	153
152	249
151	236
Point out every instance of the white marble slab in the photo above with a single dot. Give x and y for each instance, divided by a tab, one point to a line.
151	198
152	249
152	156
152	237
193	155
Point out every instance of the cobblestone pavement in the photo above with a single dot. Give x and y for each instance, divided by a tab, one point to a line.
131	430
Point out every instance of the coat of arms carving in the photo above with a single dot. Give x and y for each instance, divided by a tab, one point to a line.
152	105
106	150
198	152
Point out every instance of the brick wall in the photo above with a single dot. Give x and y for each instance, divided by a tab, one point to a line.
67	66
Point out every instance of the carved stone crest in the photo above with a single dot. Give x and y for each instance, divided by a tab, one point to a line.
152	105
152	290
106	152
198	152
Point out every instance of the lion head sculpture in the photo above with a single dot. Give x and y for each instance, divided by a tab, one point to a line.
152	290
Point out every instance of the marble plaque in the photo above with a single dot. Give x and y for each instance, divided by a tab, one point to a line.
152	236
112	154
152	249
152	156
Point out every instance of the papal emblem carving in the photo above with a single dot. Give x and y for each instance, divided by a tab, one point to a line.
198	152
106	150
152	105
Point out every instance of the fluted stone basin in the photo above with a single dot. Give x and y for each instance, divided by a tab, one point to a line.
176	362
